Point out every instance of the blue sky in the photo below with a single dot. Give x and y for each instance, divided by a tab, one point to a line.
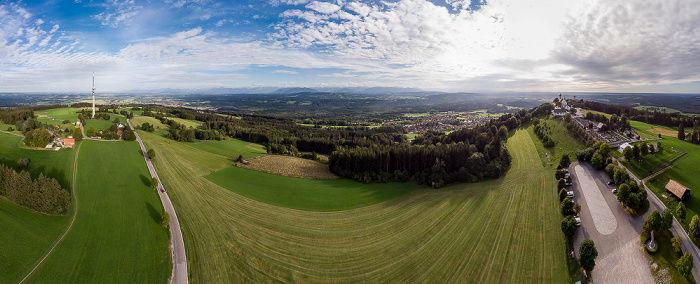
443	45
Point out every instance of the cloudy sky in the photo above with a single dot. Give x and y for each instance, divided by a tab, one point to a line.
446	45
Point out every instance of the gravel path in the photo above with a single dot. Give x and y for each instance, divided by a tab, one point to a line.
626	265
603	217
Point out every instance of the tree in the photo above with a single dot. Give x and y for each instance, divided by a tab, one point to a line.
623	193
240	159
568	226
651	148
567	207
653	222
165	220
694	231
562	194
587	254
151	153
644	149
598	161
154	183
628	153
604	149
91	131
565	160
577	208
116	120
666	219
676	243
680	211
23	163
685	264
635	151
681	132
77	134
561	183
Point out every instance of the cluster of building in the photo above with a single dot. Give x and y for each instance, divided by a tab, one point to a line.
561	107
444	121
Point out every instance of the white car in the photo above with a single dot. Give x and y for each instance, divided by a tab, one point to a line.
571	194
578	221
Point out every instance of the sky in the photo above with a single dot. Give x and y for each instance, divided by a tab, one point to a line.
438	45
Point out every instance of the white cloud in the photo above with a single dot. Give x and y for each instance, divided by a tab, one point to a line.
323	7
285	72
288	2
118	13
39	22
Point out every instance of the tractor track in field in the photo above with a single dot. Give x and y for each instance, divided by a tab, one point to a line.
75	214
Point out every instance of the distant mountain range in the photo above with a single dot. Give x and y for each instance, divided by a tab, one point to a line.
284	91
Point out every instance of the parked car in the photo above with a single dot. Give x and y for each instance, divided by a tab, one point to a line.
568	183
567	174
571	194
611	183
578	221
614	191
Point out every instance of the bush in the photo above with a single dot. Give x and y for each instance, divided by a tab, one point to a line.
562	194
680	211
23	163
567	207
685	264
568	226
165	220
694	231
151	153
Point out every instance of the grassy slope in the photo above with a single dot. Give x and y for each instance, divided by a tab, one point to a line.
231	148
565	143
498	231
27	236
59	114
117	234
306	194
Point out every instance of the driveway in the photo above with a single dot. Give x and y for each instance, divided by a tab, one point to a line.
615	233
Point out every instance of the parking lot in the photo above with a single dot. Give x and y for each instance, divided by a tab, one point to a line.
615	233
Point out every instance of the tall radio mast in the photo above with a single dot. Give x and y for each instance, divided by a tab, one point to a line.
93	94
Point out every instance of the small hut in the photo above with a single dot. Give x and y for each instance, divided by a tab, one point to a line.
677	189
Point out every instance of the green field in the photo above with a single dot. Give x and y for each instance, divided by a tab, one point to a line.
565	143
306	194
498	231
55	164
104	125
231	148
159	128
186	122
646	165
58	114
129	109
116	236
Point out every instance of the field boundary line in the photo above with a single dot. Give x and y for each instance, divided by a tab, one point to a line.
75	214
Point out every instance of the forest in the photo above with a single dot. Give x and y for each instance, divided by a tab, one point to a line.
43	194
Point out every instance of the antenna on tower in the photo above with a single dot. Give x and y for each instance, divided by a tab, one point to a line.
93	94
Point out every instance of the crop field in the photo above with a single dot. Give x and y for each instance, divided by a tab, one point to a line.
26	236
498	231
231	148
290	166
565	143
116	236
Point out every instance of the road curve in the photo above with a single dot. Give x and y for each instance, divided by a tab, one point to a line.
179	274
686	243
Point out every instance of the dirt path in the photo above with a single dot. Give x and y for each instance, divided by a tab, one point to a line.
75	214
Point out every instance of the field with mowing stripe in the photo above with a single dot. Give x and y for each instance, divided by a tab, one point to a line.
565	142
116	236
231	148
159	128
498	231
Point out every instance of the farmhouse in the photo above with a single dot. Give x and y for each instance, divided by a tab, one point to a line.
681	192
623	146
69	142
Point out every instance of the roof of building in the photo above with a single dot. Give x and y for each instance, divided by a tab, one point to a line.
559	110
69	141
600	125
676	188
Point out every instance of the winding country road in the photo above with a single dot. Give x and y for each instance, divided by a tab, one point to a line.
179	275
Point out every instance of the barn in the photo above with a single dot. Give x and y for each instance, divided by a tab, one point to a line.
678	190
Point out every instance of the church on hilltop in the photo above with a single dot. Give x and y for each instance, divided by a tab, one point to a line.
561	107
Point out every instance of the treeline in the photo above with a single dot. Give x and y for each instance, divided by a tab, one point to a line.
466	155
542	131
43	194
655	117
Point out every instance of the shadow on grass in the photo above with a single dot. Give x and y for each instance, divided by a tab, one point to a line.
153	212
146	181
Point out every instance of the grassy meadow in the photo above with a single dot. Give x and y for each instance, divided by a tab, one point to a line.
231	148
26	235
565	142
159	128
116	236
497	231
59	115
103	125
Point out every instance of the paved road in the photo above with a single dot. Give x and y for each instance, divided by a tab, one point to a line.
677	229
179	274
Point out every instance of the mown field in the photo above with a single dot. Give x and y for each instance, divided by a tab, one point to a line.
498	231
26	236
565	143
104	125
116	236
231	148
159	128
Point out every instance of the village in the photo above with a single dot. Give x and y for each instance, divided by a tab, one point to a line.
442	121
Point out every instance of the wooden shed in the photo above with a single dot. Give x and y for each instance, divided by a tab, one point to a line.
677	189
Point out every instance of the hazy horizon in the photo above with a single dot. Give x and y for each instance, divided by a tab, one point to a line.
433	45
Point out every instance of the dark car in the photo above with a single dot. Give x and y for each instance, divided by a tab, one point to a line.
611	183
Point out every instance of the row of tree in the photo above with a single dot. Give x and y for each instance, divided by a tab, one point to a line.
43	194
